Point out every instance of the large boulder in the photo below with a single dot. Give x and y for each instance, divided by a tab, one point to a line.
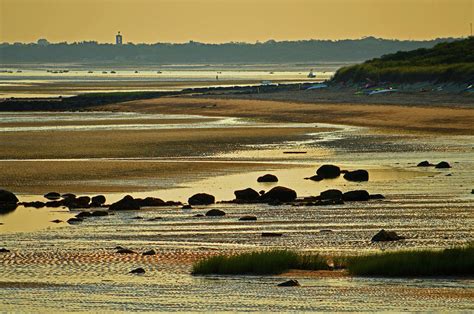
332	194
126	203
201	199
246	195
354	196
78	202
384	236
98	201
279	193
357	175
215	213
267	178
151	202
443	165
329	171
7	197
425	163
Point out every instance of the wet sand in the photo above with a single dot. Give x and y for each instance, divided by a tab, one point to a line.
421	118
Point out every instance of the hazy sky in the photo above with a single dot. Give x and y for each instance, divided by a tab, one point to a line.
231	20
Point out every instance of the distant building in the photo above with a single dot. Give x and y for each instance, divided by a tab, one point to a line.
118	39
42	42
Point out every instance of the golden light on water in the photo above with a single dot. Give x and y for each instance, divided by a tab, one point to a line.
231	20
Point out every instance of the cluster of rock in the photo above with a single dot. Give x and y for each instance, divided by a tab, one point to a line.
130	203
440	165
332	172
68	200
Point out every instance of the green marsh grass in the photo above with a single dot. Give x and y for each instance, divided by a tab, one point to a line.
259	263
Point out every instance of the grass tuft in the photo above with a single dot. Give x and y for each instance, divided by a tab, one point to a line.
259	263
448	262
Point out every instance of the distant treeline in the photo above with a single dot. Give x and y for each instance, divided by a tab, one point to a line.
445	62
194	52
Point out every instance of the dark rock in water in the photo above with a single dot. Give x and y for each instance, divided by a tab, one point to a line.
384	236
271	234
248	218
125	251
246	194
279	193
138	270
79	202
118	247
267	178
344	171
151	202
73	221
173	203
83	215
332	194
137	217
187	207
98	201
56	221
289	283
215	212
316	178
198	215
472	192
7	197
126	203
68	195
155	219
376	197
6	208
4	250
325	231
99	213
150	252
261	192
201	199
52	196
327	202
329	171
357	175
355	196
35	204
442	165
425	163
54	204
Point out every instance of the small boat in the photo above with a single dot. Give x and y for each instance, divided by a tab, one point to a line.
311	74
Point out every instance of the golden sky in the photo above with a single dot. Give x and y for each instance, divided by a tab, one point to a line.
231	20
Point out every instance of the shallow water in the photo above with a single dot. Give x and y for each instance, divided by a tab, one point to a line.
61	267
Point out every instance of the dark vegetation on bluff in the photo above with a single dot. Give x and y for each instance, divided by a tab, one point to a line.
195	52
445	62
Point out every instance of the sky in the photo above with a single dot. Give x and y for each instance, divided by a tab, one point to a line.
216	21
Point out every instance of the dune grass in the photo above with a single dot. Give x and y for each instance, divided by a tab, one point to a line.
422	263
259	263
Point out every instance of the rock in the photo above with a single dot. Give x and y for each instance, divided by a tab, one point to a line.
7	197
383	236
198	215
149	252
99	213
376	197
52	196
271	234
124	251
56	221
472	191
6	208
35	204
173	203
215	212
329	171
151	202
357	175
442	165
316	178
267	178
79	202
246	195
138	270
248	218
187	207
425	163
354	196
73	221
155	219
98	201
68	195
126	203
332	194
83	215
4	250
289	283
279	193
201	199
261	192
54	204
